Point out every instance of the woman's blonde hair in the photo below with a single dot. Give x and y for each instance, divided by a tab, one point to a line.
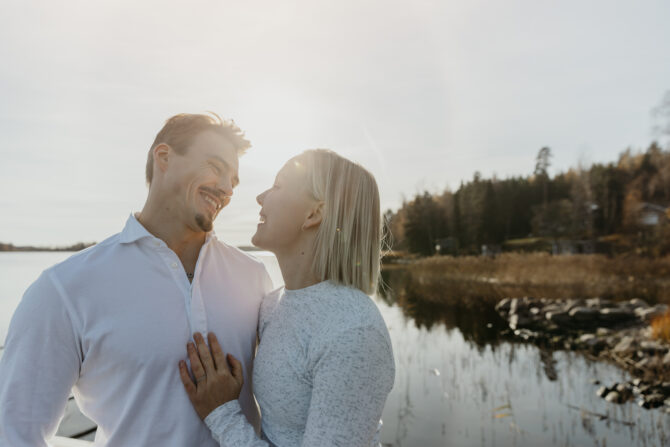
347	248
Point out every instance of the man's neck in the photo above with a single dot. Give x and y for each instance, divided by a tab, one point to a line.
185	242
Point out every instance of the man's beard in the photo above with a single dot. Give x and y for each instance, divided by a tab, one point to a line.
203	222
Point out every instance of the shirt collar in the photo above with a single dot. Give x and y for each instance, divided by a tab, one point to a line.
134	231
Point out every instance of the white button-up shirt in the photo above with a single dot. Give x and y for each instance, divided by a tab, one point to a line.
111	324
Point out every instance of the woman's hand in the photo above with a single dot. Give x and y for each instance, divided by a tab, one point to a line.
215	382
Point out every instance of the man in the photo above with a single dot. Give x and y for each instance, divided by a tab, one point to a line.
112	322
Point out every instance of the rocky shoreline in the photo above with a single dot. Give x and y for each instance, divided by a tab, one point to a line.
618	332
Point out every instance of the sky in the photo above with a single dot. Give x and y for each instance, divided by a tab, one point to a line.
422	93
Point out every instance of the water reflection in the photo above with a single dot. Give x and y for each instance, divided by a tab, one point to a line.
460	383
476	320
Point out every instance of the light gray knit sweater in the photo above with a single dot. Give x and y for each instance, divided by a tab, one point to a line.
323	370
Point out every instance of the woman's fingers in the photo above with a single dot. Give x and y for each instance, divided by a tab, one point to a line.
196	365
236	369
217	353
186	379
205	356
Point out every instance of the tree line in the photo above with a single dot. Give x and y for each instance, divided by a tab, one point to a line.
603	202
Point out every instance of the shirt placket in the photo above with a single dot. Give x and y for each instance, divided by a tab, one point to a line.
197	304
178	274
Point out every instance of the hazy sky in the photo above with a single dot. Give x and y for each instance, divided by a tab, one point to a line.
423	93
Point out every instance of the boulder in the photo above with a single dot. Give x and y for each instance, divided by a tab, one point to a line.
584	314
625	391
592	342
652	347
626	344
503	306
649	313
637	302
603	332
517	321
602	391
597	303
560	318
614	315
652	400
613	397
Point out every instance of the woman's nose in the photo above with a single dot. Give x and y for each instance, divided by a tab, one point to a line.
260	197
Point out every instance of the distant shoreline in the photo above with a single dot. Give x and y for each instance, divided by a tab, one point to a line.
74	247
79	246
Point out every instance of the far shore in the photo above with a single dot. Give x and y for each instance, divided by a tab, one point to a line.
79	246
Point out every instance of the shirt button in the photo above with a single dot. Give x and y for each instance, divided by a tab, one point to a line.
174	265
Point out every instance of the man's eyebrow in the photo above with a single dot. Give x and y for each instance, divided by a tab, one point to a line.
236	179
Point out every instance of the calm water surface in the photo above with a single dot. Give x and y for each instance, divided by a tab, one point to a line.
457	383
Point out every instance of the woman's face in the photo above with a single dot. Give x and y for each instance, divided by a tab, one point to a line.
284	209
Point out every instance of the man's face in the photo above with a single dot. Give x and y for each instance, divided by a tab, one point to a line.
201	181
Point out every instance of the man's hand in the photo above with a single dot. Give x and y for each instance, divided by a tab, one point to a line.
218	378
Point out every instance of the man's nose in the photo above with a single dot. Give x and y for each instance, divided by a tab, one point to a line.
226	186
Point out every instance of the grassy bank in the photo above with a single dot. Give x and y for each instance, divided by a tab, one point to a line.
476	280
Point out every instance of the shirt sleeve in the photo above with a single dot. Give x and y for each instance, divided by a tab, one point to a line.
351	381
39	366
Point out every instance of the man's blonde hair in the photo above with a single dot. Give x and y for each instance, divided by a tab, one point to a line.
179	131
347	248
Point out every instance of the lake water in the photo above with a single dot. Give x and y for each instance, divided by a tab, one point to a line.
458	383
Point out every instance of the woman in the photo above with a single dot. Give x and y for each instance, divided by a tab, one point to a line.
324	364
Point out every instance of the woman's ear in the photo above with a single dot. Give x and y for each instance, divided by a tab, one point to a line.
314	218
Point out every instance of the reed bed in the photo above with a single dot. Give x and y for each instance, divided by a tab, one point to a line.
477	279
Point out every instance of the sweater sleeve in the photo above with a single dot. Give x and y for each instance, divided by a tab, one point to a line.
351	380
230	427
39	366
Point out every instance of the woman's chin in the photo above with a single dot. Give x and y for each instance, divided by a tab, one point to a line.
257	242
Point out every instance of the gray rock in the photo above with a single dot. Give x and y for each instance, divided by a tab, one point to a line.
584	314
602	332
649	313
626	344
503	306
616	315
637	302
513	306
586	337
561	318
592	342
526	334
652	400
597	303
573	303
517	321
625	391
652	347
613	396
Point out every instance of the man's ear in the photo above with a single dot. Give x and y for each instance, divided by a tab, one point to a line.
314	218
161	156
